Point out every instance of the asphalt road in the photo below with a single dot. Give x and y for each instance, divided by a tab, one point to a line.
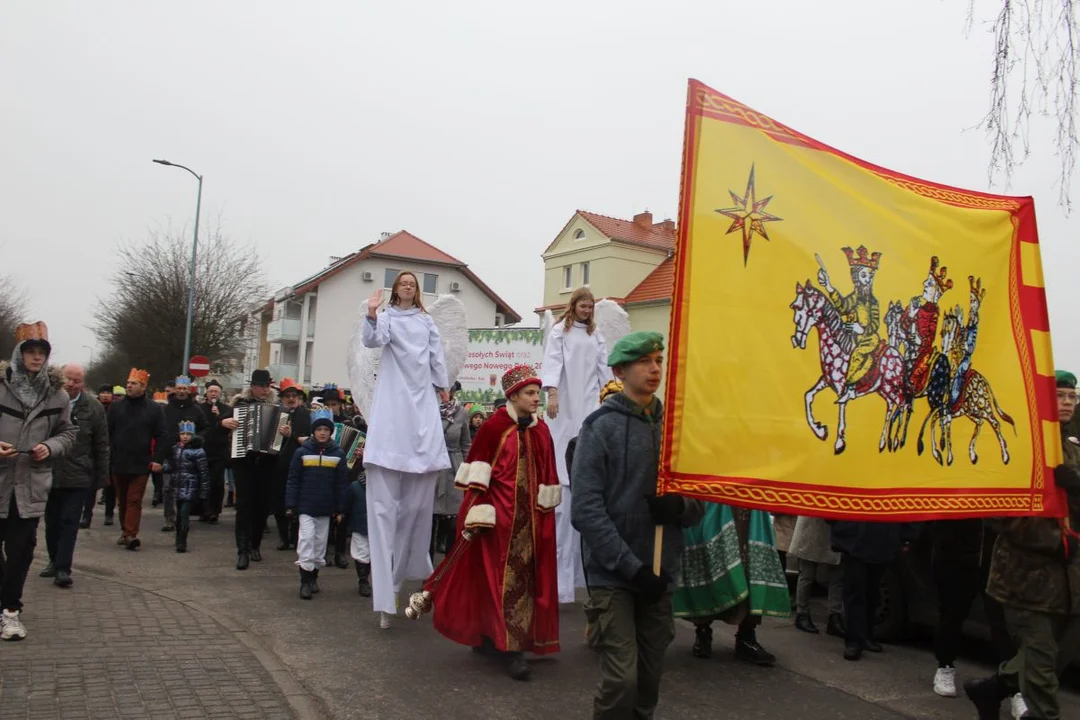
329	658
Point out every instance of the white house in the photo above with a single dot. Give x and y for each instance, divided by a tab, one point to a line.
309	325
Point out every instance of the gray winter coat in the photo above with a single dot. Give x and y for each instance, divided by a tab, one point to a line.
615	467
87	464
812	540
458	442
48	422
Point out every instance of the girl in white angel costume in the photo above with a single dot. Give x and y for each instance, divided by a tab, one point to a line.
574	370
405	449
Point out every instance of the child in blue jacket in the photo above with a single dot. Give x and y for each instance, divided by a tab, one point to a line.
190	472
318	480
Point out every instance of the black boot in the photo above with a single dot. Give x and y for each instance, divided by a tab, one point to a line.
48	572
315	580
363	578
243	559
181	539
282	522
987	695
702	642
341	560
836	626
747	648
256	555
229	500
305	584
516	666
804	622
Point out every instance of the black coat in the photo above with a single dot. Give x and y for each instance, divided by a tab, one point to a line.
216	439
300	423
871	542
86	465
135	426
177	411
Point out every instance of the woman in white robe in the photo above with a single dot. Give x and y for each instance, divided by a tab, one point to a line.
574	370
405	449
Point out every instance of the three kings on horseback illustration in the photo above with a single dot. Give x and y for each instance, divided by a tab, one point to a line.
905	366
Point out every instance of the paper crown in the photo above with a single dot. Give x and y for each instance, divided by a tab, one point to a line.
140	376
518	377
291	384
160	397
322	413
31	331
187	426
182	380
939	275
861	257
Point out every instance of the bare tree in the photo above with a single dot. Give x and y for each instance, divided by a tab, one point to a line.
12	312
1034	73
143	321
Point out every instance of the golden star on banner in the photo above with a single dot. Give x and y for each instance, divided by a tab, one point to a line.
748	215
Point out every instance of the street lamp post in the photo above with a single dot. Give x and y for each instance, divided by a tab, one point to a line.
191	270
91	354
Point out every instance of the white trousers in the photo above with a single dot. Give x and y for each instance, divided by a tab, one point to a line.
360	549
311	543
567	551
399	507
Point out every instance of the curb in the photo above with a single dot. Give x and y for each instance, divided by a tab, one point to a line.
305	704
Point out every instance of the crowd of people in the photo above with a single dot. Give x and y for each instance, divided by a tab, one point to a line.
489	495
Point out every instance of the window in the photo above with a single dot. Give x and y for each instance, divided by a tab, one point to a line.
579	234
567	277
585	274
390	277
431	283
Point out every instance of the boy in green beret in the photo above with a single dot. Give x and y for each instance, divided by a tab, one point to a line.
616	510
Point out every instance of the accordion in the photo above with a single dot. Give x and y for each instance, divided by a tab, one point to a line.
348	439
257	429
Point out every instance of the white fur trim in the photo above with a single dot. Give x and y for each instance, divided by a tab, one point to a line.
549	497
479	475
461	480
480	517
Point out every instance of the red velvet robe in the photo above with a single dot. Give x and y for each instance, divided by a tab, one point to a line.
491	587
924	326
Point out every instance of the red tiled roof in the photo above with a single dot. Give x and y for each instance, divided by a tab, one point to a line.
658	285
657	235
407	246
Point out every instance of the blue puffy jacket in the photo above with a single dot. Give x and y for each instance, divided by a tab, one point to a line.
190	471
318	479
356	505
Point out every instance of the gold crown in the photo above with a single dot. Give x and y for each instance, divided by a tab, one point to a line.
140	376
939	275
862	257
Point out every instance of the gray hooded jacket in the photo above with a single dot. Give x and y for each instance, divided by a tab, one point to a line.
615	468
32	411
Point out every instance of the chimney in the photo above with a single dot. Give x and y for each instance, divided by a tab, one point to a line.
384	236
667	225
643	220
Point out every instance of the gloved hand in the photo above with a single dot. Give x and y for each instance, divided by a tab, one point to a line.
651	586
665	509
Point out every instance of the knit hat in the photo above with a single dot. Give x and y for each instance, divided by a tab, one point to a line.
517	378
476	410
104	388
322	418
1065	379
635	346
119	390
187	426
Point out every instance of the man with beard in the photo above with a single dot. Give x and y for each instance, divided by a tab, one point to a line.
180	408
136	428
216	445
35	431
253	475
108	495
859	311
296	432
76	476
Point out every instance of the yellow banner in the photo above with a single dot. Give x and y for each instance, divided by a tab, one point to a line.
848	341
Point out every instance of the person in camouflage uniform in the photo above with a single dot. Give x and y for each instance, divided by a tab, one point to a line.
1035	574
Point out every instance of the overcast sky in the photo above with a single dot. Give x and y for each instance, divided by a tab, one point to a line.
478	126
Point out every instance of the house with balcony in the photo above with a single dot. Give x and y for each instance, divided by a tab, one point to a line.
304	330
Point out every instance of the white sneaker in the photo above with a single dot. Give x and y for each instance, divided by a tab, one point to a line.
1019	707
11	627
384	620
945	682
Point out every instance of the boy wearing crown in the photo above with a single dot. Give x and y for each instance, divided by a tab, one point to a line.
136	428
189	471
181	407
35	430
498	591
314	493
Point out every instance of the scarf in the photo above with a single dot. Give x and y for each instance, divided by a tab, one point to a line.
28	389
449	409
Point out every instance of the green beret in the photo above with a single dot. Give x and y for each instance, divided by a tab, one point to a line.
1065	379
635	346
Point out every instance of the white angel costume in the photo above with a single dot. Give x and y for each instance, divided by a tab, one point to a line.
405	450
575	363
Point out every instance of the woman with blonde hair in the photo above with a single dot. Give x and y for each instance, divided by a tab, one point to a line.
405	449
575	369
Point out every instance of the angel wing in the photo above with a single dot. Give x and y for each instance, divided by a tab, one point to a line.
612	322
449	315
545	326
362	362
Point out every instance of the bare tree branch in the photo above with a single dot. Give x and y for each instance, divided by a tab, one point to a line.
142	323
12	312
1034	72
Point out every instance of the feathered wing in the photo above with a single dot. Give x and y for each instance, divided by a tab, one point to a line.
612	321
546	325
449	315
362	362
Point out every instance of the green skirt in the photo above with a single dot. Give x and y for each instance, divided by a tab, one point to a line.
714	579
